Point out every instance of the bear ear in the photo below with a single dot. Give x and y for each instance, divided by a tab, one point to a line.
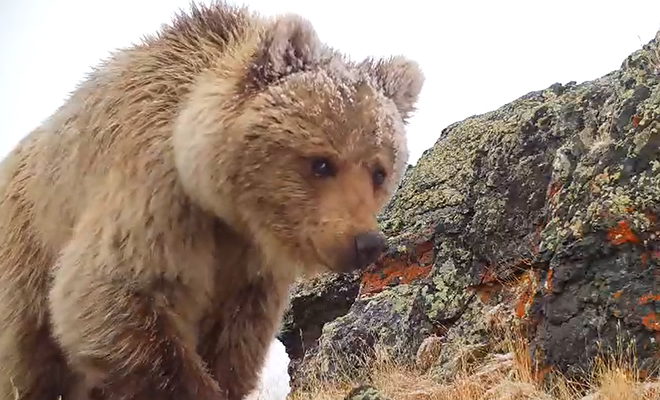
289	45
399	78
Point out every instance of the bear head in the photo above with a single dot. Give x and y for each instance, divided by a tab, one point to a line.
296	147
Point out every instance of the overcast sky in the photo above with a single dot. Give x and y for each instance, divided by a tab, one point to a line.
477	55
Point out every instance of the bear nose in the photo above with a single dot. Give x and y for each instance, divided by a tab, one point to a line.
368	247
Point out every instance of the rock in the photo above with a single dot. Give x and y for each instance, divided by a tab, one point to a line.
314	302
365	392
393	318
598	248
541	215
388	313
428	352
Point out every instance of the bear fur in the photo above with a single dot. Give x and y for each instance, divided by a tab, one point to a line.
151	227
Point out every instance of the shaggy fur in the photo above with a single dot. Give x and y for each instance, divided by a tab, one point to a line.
151	227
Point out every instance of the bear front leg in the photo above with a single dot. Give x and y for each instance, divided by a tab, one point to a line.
121	330
243	328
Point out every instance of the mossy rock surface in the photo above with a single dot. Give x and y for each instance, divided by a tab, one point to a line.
544	212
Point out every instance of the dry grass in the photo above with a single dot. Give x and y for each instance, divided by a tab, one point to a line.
506	376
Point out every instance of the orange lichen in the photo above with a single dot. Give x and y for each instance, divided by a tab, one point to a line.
398	269
617	294
548	281
540	374
526	297
635	120
647	298
553	189
621	234
396	273
521	304
650	321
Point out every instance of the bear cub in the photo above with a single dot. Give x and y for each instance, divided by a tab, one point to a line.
151	227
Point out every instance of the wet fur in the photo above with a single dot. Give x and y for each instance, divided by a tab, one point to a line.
151	227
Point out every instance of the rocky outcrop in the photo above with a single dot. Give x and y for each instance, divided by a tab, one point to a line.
541	213
315	302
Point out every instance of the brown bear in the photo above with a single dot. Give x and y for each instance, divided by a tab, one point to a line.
151	227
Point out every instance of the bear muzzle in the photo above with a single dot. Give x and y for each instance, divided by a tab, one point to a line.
367	248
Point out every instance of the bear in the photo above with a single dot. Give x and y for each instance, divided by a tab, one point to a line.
152	226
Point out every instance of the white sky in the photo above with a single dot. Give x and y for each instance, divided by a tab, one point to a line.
477	55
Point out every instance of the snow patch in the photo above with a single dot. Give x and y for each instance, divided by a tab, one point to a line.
274	383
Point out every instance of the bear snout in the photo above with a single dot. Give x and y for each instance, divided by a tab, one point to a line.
368	246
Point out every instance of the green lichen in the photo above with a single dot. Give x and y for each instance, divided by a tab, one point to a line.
447	294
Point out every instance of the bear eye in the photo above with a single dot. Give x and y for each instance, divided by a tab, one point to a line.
378	176
322	168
